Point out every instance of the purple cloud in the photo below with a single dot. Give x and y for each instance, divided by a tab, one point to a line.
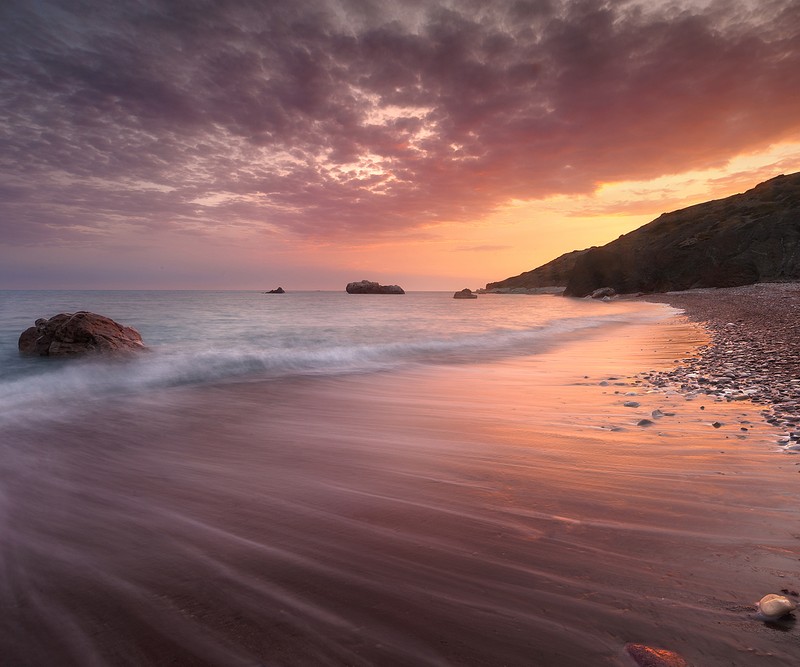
327	120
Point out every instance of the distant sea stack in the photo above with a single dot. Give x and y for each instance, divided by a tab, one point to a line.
279	290
368	287
78	334
465	293
743	239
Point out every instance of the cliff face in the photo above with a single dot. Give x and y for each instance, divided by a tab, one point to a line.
743	239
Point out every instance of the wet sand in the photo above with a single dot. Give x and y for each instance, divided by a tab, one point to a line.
507	513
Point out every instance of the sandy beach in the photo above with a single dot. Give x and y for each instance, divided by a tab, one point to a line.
544	510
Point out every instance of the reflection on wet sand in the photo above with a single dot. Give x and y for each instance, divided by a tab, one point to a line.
507	513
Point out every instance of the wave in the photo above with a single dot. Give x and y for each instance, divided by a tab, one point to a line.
51	387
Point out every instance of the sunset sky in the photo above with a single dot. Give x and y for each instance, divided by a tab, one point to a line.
439	145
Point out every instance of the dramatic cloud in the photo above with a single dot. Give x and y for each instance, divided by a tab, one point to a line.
353	118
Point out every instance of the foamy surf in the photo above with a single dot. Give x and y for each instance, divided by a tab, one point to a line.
285	345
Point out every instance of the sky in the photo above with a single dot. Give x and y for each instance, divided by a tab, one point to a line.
234	144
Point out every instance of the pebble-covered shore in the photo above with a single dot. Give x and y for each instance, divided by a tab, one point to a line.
754	352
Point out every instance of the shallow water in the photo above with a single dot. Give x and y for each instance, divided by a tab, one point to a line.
492	507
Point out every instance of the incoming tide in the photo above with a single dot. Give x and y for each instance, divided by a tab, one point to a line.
199	337
331	479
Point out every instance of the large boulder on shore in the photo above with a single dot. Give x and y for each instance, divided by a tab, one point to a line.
76	334
369	287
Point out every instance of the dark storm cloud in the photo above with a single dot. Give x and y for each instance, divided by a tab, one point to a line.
348	117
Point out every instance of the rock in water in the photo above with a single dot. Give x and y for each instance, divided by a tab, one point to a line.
772	607
75	334
369	287
279	290
465	293
647	656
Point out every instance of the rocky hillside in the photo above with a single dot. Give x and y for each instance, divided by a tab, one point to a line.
552	274
743	239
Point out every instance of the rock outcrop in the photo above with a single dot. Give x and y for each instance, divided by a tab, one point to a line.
369	287
744	239
77	334
279	290
465	293
603	293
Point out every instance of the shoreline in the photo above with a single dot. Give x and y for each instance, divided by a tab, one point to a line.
753	354
509	511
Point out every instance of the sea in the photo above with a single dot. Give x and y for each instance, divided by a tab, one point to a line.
200	338
318	478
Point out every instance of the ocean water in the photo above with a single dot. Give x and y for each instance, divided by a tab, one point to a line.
329	479
201	337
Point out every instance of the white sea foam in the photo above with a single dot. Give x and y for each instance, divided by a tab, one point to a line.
219	338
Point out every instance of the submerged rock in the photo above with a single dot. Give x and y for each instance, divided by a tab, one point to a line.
369	287
772	607
76	334
465	293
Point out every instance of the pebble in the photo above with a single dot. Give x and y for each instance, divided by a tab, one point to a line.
648	656
757	359
631	404
772	607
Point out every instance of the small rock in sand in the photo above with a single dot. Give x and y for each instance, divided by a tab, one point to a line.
716	424
631	404
644	422
772	607
648	656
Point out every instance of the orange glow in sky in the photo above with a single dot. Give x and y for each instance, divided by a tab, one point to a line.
437	145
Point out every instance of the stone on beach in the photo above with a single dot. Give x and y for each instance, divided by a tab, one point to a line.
772	607
77	334
648	656
755	360
631	404
369	287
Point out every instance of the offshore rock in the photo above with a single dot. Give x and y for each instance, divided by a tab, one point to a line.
77	334
279	290
369	287
465	293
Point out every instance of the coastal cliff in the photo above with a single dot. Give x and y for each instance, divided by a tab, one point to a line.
743	239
